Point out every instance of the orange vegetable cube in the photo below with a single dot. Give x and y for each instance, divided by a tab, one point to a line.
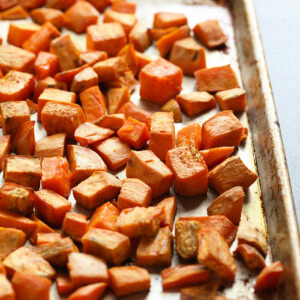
190	135
74	225
128	280
160	81
173	106
33	107
214	156
125	80
93	56
168	19
64	284
234	99
83	80
54	16
205	291
51	207
97	189
50	146
41	227
6	290
142	61
116	98
157	33
58	4
210	33
113	121
4	148
169	205
196	102
90	292
46	238
18	33
129	55
5	4
46	83
15	13
30	4
124	7
139	36
46	64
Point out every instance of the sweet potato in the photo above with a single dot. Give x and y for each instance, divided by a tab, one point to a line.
28	286
92	56
168	19
14	58
201	292
134	133
196	102
97	189
112	246
58	4
41	227
216	79
83	80
270	276
230	173
75	225
23	141
15	13
51	207
160	81
113	121
139	36
228	204
25	260
46	238
68	75
6	4
100	4
116	98
142	61
23	170
66	51
62	118
234	99
126	79
108	37
18	33
146	166
157	33
105	217
40	40
53	145
189	169
190	135
6	290
124	7
64	284
129	55
47	83
169	206
93	104
213	252
128	280
162	134
31	4
222	129
46	64
33	107
210	33
214	156
173	106
90	292
140	221
184	275
54	16
81	15
4	148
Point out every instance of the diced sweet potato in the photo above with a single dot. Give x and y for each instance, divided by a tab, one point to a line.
129	55
270	276
41	227
83	80
190	135
204	291
90	292
6	4
51	207
81	15
18	33
234	99
64	284
46	238
93	56
184	275
125	80
15	13
50	146
23	170
157	33
128	280
168	19
46	64
169	206
75	225
173	106
48	83
105	217
97	189
116	98
62	118
26	260
124	7
112	246
230	173
228	204
160	81
54	16
58	4
108	37
214	156
33	107
210	33
142	61
189	169
213	252
4	148
31	4
6	290
114	152
113	121
139	36
23	141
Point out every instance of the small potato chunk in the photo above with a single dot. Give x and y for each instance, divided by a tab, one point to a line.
128	53
83	80
46	83
215	156
124	7
6	290
116	98
134	192
169	206
157	33
196	102
230	173
139	36
50	146
112	246
6	4
190	135
128	280
15	13
51	207
142	61
43	15
86	269
68	75
18	33
234	99
228	204
58	4
75	225
113	122
64	284
4	148
46	64
173	106
140	221
126	79
146	166
47	238
93	56
156	250
189	169
23	170
97	189
41	227
201	292
108	37
213	252
168	19
92	292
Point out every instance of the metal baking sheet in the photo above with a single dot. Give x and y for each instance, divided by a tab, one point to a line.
268	201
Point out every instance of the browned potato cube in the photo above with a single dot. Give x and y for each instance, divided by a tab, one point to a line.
173	106
83	80
50	146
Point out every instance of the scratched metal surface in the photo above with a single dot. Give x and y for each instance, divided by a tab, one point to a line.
243	49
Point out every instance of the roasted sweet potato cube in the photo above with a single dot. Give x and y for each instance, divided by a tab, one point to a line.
124	7
23	170
213	252
83	80
6	4
173	107
146	166
169	206
81	15
31	4
4	148
54	16
112	246
128	53
92	291
15	13
184	275
62	118
68	75
97	189
29	286
216	79
128	280
93	56
228	204
41	227
139	36
204	291
215	156
142	61
114	152
61	5
108	37
86	269
50	146
168	19
75	225
210	33
105	217
33	107
157	33
64	284
140	221
46	238
6	290
230	173
234	99
116	98
190	135
160	81
269	277
46	64
113	122
51	207
48	83
25	260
